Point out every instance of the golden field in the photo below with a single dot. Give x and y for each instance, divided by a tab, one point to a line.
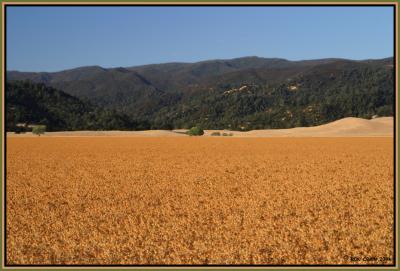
184	200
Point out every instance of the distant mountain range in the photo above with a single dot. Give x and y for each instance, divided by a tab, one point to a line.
242	93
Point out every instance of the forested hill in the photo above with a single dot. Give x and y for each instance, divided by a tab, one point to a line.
320	95
244	93
29	103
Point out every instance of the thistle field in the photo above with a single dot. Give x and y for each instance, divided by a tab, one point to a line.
184	200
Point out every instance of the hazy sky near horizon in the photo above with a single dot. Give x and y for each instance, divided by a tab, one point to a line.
58	38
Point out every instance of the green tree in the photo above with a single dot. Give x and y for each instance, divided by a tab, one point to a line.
39	129
195	131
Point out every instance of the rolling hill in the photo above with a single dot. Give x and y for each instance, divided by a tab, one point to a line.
29	103
241	94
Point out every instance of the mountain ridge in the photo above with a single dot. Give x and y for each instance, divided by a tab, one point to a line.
183	94
201	61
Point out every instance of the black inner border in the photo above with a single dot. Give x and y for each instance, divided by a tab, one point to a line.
200	5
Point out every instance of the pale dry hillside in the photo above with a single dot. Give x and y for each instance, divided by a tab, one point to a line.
347	127
354	127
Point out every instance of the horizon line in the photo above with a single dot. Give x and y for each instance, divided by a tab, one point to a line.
200	61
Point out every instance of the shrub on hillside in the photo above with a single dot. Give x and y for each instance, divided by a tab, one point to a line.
39	129
195	131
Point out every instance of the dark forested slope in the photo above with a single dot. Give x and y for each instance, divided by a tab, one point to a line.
34	103
320	95
243	93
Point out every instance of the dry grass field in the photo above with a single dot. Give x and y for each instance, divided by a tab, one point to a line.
183	200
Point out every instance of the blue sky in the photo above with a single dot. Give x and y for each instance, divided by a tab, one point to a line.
57	38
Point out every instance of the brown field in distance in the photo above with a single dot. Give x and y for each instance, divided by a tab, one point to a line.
347	127
199	200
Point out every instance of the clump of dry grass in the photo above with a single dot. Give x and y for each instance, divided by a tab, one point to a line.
199	200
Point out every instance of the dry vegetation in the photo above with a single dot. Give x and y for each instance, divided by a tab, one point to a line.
199	200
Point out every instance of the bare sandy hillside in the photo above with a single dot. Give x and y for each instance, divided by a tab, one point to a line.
352	127
341	128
